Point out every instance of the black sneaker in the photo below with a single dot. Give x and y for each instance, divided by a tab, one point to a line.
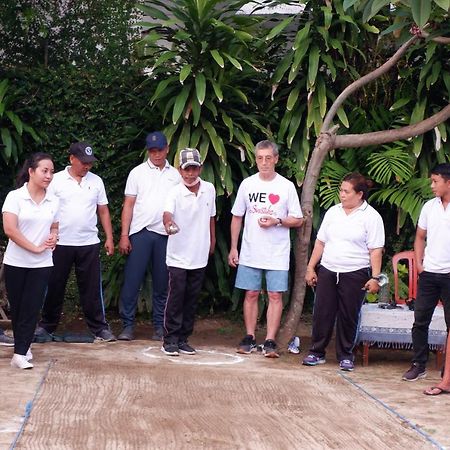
415	372
105	336
185	348
158	334
247	345
127	334
6	340
170	349
41	335
270	349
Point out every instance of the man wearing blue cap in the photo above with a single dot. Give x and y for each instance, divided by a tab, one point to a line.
143	237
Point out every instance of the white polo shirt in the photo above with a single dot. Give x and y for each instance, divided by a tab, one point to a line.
34	221
266	248
150	186
78	207
348	238
436	221
189	248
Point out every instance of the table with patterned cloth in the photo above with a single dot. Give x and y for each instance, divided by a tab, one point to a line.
391	328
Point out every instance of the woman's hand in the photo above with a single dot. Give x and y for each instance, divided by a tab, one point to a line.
311	277
372	286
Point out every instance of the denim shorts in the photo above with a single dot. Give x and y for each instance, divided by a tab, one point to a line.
250	279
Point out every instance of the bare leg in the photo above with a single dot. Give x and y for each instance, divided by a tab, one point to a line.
251	311
444	384
274	312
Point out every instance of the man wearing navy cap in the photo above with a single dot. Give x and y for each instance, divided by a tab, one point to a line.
143	237
83	199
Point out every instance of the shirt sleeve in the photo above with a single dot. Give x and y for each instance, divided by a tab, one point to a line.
11	205
375	232
213	202
423	217
294	209
170	203
240	207
131	188
102	199
322	233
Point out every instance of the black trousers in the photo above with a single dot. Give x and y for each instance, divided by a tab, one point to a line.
26	291
339	298
432	287
86	259
179	315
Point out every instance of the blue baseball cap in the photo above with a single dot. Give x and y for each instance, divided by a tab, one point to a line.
156	140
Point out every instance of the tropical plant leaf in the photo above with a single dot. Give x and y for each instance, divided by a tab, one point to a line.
392	163
185	72
218	58
421	10
200	87
180	103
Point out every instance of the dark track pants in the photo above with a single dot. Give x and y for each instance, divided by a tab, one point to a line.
86	259
432	287
179	315
26	291
338	299
147	248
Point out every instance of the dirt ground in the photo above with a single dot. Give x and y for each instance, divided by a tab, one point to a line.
131	396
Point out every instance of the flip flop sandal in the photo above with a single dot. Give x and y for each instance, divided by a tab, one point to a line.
440	391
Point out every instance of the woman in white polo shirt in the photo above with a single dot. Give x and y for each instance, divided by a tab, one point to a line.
349	246
30	222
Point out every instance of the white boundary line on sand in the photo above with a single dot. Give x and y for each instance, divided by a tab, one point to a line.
190	359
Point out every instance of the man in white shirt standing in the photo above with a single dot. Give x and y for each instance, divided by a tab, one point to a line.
432	255
143	237
83	199
190	211
271	207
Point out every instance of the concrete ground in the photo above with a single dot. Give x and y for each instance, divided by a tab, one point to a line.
131	396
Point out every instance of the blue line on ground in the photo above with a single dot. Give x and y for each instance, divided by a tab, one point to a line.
393	411
29	406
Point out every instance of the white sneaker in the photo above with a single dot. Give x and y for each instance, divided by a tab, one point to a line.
29	355
21	362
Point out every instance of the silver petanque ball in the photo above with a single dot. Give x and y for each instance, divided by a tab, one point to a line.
173	229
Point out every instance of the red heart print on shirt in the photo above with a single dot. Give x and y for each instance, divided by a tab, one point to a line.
273	198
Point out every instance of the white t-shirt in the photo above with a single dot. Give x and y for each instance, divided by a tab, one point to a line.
78	207
348	238
436	221
34	222
266	248
189	248
150	186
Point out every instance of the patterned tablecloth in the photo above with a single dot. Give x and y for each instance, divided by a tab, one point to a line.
392	327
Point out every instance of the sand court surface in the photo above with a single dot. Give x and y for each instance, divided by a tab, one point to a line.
129	395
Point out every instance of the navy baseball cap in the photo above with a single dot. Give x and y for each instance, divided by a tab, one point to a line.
82	151
156	140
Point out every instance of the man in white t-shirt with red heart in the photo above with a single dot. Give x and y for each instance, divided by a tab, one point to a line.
271	207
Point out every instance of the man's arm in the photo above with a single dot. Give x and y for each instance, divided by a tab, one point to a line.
235	229
127	214
212	234
288	222
105	220
419	248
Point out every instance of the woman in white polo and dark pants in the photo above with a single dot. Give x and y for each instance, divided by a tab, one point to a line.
30	222
349	246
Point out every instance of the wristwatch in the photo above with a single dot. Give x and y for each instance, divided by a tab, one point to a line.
280	222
